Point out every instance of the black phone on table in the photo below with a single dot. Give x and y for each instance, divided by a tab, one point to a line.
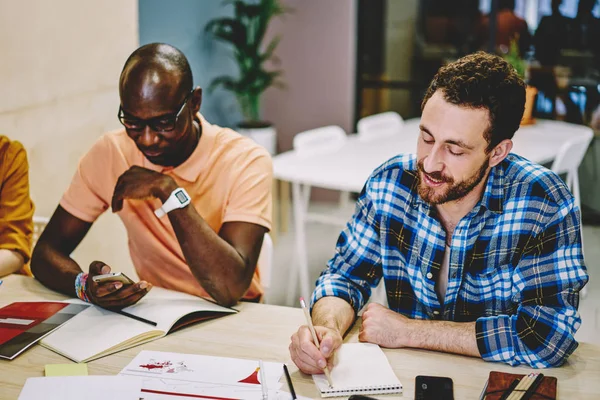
433	388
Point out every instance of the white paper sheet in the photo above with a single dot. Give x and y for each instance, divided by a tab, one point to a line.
99	387
174	375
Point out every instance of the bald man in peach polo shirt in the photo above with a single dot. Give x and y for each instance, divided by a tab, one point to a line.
166	154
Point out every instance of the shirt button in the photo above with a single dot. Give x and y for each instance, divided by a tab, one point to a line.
429	275
454	274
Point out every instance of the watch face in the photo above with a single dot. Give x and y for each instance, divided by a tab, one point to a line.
181	196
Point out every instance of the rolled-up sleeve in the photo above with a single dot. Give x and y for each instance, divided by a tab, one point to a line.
548	278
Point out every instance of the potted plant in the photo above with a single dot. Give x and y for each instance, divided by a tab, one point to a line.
245	32
514	58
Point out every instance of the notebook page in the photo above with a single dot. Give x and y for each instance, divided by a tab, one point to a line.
94	331
166	307
359	368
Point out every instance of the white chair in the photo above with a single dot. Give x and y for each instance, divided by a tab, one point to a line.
569	158
265	265
379	125
319	140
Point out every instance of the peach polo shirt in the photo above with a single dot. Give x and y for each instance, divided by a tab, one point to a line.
228	177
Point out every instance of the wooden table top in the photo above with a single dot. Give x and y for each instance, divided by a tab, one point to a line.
262	331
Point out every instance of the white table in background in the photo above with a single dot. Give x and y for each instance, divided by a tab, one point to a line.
348	167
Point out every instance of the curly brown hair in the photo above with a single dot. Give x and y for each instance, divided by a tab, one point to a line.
482	80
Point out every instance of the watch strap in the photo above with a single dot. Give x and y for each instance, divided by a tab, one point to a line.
179	198
159	212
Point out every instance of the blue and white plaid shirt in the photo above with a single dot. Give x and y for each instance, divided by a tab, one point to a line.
516	263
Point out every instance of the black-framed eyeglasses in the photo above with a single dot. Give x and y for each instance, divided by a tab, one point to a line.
163	123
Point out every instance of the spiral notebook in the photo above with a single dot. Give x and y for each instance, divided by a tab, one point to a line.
359	368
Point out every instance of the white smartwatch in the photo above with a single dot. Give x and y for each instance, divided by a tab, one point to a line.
178	199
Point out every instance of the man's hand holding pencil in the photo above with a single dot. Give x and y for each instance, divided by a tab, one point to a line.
311	357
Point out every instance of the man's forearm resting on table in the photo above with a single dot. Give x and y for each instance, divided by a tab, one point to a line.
451	337
494	339
51	262
54	269
445	336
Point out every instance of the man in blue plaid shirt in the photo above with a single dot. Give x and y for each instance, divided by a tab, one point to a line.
479	249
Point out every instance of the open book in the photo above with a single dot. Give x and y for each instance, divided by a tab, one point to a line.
97	332
359	368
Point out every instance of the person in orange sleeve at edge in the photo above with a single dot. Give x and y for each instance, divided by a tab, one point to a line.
16	209
195	198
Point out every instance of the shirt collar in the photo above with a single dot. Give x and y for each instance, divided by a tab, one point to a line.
493	195
492	198
191	168
417	201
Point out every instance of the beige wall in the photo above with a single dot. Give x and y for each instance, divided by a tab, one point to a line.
60	65
317	53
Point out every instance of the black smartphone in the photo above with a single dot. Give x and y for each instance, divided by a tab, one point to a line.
433	388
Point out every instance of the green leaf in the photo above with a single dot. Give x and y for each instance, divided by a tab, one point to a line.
228	30
514	57
245	32
270	48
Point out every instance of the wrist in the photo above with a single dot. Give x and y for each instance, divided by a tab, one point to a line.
165	187
81	287
329	322
178	199
333	327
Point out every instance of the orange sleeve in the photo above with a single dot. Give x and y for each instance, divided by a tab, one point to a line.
16	207
250	199
90	191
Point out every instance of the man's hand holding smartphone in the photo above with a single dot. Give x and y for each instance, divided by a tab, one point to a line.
114	291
